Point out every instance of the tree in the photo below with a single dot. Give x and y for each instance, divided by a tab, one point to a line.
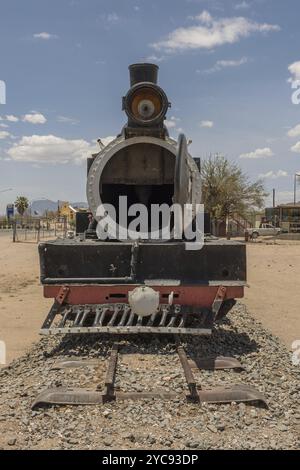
21	204
227	190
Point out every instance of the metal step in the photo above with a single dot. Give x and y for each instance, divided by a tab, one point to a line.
119	319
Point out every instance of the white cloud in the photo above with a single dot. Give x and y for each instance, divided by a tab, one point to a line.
295	132
45	36
258	153
4	126
67	120
10	118
4	135
208	124
294	70
155	58
50	149
110	19
222	64
107	140
242	6
204	17
296	148
210	33
33	118
36	118
273	175
172	122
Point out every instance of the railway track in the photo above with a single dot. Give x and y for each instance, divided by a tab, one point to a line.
106	392
152	364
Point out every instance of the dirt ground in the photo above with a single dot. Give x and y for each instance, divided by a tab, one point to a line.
273	297
22	306
274	293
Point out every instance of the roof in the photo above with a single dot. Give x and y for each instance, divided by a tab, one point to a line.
289	205
77	209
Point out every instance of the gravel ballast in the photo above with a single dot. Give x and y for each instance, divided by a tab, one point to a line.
149	364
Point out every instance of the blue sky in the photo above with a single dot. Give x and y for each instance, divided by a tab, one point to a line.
226	66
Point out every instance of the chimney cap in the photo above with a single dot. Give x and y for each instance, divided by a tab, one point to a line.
143	72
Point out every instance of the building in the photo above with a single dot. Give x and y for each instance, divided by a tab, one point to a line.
285	216
68	211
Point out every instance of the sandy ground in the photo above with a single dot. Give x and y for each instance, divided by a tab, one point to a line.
22	306
273	296
274	293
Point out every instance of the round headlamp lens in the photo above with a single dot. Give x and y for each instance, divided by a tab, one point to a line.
146	104
146	109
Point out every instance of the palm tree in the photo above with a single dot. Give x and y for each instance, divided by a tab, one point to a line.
21	204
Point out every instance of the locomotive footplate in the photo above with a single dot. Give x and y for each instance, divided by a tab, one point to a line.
105	392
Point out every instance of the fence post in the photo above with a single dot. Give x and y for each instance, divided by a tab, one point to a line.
65	227
38	232
14	226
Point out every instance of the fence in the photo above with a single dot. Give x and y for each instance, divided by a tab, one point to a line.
35	230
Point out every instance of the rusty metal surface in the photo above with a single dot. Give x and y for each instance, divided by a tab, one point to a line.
62	294
198	296
215	363
189	377
75	363
68	396
111	371
77	396
218	301
235	393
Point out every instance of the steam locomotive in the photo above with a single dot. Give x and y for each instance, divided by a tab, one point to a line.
126	286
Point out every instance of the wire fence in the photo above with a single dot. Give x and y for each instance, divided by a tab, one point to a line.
33	230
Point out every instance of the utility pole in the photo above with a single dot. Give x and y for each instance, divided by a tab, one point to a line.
297	175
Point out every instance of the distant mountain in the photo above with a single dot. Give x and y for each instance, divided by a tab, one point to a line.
39	207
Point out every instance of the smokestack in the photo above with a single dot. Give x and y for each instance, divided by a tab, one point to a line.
143	73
